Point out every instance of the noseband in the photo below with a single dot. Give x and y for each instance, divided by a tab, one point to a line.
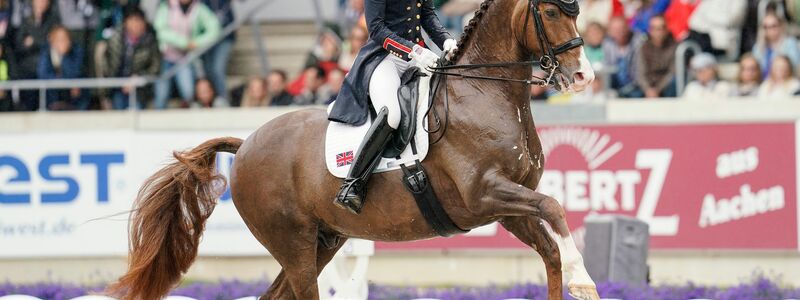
548	61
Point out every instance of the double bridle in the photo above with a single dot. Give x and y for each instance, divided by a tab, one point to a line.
548	61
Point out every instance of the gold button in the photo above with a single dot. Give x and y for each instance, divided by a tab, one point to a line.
417	28
419	4
417	17
409	19
408	8
409	31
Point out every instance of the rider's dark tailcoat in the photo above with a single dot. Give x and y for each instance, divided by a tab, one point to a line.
394	28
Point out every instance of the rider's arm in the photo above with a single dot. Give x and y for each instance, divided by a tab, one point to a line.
375	13
432	26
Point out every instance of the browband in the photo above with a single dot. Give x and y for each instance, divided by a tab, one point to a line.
569	7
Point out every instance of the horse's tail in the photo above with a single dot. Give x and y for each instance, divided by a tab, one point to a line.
168	219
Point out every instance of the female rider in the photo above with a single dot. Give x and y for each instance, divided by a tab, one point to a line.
395	44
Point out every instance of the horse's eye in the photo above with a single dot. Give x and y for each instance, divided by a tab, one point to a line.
551	13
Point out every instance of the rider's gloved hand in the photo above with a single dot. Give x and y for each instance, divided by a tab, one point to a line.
450	46
423	57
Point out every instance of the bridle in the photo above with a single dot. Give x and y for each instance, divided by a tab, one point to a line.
548	61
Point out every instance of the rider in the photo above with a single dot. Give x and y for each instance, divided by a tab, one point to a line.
395	44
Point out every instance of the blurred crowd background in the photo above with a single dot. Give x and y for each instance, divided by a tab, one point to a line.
641	49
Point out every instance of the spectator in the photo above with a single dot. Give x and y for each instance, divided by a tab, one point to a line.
313	92
61	59
353	14
334	84
5	102
781	83
750	27
80	17
641	21
182	26
677	16
452	21
357	39
132	52
5	19
276	89
594	11
619	53
656	61
216	60
717	32
111	15
255	94
706	85
594	36
28	43
774	41
749	77
326	53
206	97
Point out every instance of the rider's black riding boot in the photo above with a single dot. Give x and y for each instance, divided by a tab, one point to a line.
351	194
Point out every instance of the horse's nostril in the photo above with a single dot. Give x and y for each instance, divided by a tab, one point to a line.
578	77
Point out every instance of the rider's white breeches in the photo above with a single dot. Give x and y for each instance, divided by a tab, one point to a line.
384	84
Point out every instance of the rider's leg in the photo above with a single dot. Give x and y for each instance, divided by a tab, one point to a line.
383	90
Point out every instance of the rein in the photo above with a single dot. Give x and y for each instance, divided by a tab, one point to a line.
548	62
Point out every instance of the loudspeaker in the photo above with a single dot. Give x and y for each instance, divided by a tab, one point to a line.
616	248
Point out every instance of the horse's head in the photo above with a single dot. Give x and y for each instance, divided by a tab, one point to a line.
547	29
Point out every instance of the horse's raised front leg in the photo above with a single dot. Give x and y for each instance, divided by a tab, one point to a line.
527	230
506	198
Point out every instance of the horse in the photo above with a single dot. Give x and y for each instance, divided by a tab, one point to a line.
485	168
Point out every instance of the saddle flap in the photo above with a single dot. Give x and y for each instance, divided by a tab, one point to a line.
408	97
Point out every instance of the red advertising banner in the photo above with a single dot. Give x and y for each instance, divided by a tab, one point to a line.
710	186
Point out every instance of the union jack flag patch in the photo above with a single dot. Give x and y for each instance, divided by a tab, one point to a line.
344	159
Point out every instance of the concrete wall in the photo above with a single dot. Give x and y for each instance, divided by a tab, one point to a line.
428	268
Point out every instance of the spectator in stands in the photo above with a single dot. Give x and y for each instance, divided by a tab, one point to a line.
749	78
619	53
5	102
5	19
326	53
255	93
706	85
650	9
677	16
774	41
276	89
216	60
314	91
781	83
334	84
182	26
353	14
206	96
717	25
29	40
593	37
80	18
594	11
357	39
656	61
132	52
61	59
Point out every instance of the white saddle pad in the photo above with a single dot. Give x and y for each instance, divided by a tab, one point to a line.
342	140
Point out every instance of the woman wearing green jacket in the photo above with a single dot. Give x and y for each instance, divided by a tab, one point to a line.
182	26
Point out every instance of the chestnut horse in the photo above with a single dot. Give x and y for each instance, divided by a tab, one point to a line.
484	169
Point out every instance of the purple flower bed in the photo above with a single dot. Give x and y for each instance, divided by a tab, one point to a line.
758	288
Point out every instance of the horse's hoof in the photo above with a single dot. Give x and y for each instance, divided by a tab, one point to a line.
583	292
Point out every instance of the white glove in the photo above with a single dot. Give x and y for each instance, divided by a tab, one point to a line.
450	46
424	58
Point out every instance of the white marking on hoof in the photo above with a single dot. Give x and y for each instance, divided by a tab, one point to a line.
572	263
583	292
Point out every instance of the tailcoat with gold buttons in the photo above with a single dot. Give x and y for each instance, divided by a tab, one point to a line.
394	26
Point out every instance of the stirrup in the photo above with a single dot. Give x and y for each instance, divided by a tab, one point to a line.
350	191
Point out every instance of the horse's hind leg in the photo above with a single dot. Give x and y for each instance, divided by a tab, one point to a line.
296	250
525	229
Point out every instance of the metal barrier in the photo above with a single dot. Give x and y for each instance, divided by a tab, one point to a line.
680	63
43	85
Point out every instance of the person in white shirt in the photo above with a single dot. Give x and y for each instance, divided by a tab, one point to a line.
706	85
780	83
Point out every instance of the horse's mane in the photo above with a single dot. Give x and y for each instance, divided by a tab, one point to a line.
469	30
